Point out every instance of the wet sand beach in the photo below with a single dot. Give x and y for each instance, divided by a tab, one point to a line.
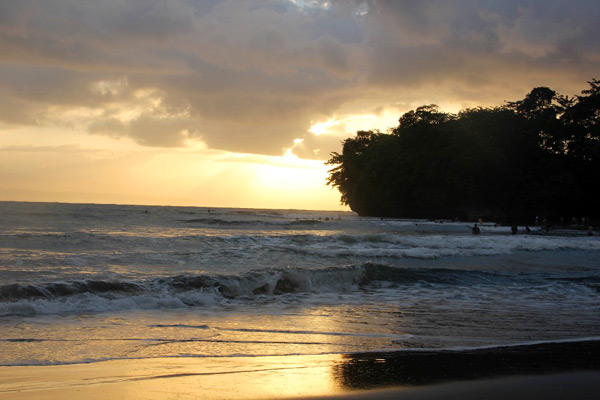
545	371
579	385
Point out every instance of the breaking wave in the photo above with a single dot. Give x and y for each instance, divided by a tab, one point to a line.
205	290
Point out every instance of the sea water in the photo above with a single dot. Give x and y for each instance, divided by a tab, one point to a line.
81	283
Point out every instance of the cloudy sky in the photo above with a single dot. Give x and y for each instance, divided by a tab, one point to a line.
239	103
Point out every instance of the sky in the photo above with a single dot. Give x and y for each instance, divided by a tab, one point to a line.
239	103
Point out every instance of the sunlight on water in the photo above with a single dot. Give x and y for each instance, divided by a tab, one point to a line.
84	283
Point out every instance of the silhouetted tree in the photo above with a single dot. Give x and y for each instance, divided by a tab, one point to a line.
536	156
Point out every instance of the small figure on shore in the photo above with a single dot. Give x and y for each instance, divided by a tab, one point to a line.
514	229
527	230
475	230
590	230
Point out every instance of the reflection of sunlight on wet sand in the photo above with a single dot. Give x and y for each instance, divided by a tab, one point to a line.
244	378
298	376
306	376
177	378
225	374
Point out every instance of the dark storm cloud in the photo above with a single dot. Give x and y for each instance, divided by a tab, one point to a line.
480	42
252	76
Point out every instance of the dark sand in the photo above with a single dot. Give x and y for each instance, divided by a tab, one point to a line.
566	386
413	368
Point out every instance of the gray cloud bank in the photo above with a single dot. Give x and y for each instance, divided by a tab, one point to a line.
250	76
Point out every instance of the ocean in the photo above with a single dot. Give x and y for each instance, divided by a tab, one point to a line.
86	283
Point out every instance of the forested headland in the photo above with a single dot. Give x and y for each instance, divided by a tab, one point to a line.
539	156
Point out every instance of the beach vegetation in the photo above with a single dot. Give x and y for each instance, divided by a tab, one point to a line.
539	156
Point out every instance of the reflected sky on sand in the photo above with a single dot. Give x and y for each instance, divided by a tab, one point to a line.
289	376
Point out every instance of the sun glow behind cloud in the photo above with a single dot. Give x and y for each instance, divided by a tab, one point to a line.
121	171
240	102
347	125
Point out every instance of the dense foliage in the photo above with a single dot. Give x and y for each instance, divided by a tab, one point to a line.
536	157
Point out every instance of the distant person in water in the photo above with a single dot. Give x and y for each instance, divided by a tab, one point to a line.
527	230
514	230
475	230
590	230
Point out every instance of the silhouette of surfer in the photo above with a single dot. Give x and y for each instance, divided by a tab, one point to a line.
475	230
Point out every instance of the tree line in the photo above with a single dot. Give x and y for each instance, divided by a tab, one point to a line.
539	156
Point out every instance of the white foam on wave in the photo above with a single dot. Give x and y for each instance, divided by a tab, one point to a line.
281	285
398	245
92	303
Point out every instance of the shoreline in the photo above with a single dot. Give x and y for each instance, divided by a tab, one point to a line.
350	354
409	373
581	385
